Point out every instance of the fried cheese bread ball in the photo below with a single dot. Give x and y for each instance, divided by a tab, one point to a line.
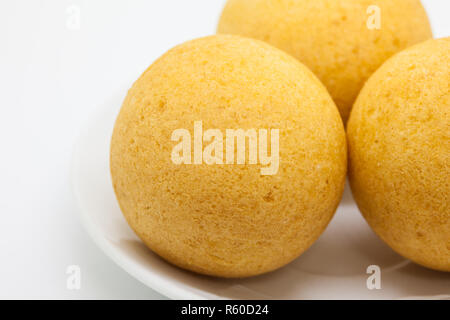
399	153
342	41
229	219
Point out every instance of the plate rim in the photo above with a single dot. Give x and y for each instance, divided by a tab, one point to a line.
161	284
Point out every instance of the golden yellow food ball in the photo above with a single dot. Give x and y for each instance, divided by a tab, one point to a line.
230	219
342	41
399	149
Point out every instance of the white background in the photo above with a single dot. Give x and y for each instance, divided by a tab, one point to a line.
51	79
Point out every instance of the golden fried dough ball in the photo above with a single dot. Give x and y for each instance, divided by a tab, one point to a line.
342	41
230	219
399	147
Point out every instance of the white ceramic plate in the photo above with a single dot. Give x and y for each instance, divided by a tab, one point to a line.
333	268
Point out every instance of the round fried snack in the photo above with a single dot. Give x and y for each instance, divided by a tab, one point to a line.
342	41
230	219
399	148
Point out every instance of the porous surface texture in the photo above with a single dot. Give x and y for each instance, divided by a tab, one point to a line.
337	39
399	149
228	220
